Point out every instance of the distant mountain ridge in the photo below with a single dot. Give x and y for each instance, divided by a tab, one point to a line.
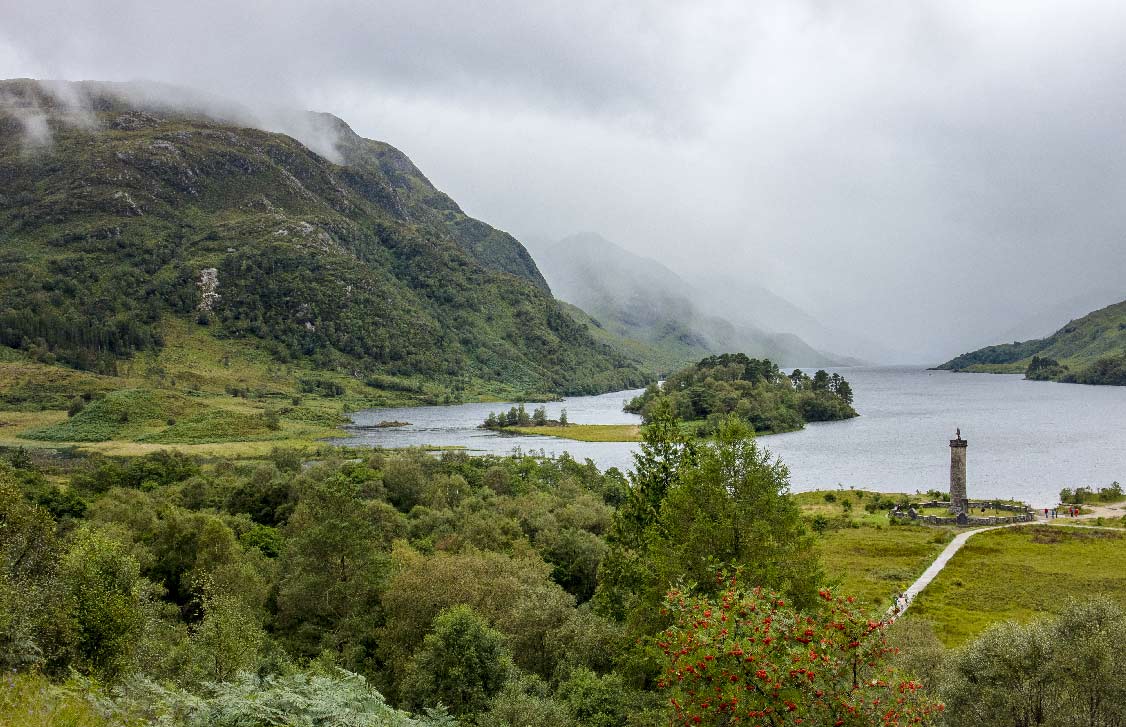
119	209
745	301
645	303
1089	350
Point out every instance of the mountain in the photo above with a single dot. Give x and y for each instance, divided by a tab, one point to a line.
1043	322
745	302
124	216
654	310
1090	350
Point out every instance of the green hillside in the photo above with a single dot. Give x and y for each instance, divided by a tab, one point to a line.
1090	350
118	219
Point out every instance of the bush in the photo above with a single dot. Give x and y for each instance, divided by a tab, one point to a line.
462	664
335	697
829	665
323	387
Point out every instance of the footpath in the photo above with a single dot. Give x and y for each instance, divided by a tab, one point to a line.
904	601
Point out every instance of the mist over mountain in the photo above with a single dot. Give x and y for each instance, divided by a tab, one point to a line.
643	301
743	301
123	210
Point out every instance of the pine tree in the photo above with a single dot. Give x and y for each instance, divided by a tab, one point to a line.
657	468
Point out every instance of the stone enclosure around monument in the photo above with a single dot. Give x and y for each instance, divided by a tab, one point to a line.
960	506
1021	514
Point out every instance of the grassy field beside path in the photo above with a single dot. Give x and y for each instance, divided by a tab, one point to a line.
1020	573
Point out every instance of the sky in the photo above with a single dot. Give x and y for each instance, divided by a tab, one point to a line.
928	174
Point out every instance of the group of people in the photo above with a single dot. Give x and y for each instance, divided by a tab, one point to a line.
1053	512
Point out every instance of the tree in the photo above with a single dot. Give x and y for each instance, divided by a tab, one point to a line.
525	701
515	595
461	664
1069	670
1088	659
28	564
228	639
563	417
733	509
593	700
332	568
102	588
657	467
1004	674
747	655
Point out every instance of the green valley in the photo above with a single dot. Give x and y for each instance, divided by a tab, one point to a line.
144	213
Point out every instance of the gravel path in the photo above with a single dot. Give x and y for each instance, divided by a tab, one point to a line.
960	539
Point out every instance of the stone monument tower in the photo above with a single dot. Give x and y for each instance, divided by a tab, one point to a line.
958	500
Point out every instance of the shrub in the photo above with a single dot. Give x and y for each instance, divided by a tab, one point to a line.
461	664
745	654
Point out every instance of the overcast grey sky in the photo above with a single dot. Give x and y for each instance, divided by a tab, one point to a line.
925	172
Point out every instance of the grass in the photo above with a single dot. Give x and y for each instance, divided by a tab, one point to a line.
215	425
863	553
586	432
125	414
975	512
28	700
181	398
29	386
1099	522
875	564
846	504
1020	574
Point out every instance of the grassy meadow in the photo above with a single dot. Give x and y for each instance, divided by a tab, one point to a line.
863	553
199	394
1019	574
586	432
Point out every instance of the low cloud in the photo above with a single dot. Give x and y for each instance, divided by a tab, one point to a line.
924	172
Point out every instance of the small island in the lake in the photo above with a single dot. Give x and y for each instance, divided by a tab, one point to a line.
701	395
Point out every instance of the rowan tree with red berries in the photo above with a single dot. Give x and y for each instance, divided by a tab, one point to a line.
746	657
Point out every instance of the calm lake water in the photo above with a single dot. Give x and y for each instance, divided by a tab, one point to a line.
1026	439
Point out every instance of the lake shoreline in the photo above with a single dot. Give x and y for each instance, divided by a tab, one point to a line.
1026	442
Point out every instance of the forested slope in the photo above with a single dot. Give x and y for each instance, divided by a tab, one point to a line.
116	215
